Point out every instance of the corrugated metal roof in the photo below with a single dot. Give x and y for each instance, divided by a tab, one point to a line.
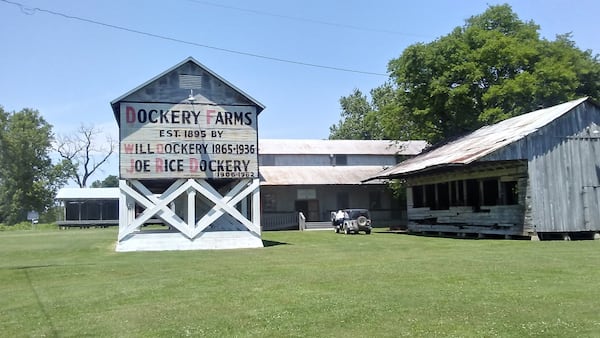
317	175
481	142
87	193
349	147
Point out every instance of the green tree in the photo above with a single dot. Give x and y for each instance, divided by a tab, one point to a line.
28	179
357	120
354	109
111	181
493	67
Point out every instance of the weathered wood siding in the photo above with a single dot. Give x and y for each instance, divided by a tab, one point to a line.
187	123
563	169
187	140
168	89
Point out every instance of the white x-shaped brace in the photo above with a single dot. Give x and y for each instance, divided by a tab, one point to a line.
159	206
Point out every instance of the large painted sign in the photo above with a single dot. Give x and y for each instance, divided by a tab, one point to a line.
186	140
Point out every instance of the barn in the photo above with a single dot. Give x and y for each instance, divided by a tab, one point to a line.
536	175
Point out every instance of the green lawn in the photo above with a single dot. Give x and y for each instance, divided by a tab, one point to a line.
309	284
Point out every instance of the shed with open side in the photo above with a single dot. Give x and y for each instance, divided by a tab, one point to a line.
537	175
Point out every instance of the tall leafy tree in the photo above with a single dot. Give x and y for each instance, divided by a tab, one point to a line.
28	179
360	118
354	123
493	67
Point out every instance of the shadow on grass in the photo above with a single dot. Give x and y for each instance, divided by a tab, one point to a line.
28	267
267	243
40	304
396	232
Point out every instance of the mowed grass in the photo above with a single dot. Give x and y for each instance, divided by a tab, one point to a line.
302	284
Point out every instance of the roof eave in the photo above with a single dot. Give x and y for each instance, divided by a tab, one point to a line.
415	172
115	103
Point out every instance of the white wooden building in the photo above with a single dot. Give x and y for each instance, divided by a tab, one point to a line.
85	207
537	175
316	177
188	155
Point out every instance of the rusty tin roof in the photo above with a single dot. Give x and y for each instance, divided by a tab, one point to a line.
481	142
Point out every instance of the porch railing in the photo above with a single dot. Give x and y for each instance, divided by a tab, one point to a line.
280	221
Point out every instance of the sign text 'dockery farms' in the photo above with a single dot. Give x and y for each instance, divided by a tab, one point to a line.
187	141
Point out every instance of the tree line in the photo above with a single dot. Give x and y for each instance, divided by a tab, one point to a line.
29	179
494	67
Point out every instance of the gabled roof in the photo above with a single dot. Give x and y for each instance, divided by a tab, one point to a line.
481	142
348	147
185	92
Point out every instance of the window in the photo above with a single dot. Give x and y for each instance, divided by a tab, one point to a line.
267	160
306	194
341	159
269	202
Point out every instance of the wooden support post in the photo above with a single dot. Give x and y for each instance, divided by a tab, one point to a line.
191	234
256	205
191	207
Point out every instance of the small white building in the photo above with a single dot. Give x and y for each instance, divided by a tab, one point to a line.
85	207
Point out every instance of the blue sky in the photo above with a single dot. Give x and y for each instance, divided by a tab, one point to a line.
70	70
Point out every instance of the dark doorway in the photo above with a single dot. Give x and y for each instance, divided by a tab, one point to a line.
473	193
309	208
443	196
